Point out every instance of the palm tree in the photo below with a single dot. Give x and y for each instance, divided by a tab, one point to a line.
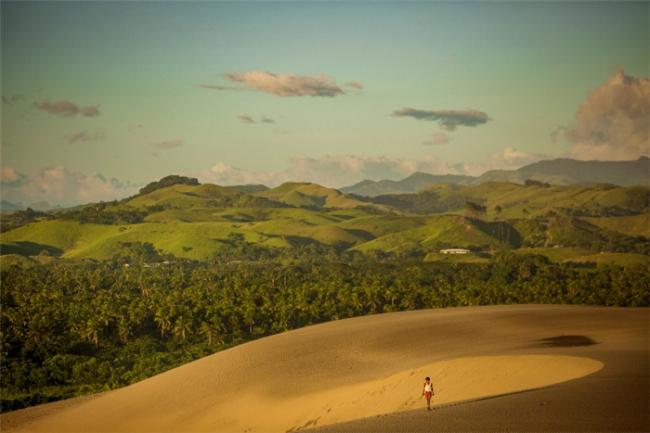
92	331
163	321
207	330
182	327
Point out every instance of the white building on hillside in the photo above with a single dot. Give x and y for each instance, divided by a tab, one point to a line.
455	251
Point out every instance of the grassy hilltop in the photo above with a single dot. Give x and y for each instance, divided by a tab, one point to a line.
185	219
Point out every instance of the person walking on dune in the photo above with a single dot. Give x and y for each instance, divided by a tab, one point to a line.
427	391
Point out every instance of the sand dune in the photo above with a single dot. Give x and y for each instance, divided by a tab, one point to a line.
456	380
358	369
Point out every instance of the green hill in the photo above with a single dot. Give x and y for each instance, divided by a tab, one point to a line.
199	196
311	195
447	231
510	200
584	256
197	221
71	239
635	225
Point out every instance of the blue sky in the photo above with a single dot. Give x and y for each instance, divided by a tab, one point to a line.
527	66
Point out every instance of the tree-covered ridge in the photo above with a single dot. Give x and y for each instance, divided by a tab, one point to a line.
70	328
168	181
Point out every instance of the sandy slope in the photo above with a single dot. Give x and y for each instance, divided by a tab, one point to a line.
347	370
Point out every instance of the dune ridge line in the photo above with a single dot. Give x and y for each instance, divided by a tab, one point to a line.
455	380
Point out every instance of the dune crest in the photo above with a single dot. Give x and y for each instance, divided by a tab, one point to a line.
455	380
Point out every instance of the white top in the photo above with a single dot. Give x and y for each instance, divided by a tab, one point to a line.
428	387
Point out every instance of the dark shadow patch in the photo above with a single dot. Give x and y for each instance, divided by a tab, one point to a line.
25	248
567	341
366	236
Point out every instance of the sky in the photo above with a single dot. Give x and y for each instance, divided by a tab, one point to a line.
100	98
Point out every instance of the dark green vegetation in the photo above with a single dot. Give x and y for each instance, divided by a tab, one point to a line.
105	294
22	217
70	328
168	181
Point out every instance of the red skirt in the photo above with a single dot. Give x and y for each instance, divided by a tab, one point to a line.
428	395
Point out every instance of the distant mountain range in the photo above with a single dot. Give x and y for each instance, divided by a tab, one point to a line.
555	172
571	171
415	182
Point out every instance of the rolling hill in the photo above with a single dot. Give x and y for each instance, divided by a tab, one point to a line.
510	200
311	195
194	221
447	231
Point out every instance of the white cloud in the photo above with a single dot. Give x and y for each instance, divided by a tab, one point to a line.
284	84
613	122
511	157
58	185
224	174
508	159
330	170
9	175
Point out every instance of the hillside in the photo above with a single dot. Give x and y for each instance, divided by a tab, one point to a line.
312	196
447	231
182	196
198	221
413	183
510	200
571	171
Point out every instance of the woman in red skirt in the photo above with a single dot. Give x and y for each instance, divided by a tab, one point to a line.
427	391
